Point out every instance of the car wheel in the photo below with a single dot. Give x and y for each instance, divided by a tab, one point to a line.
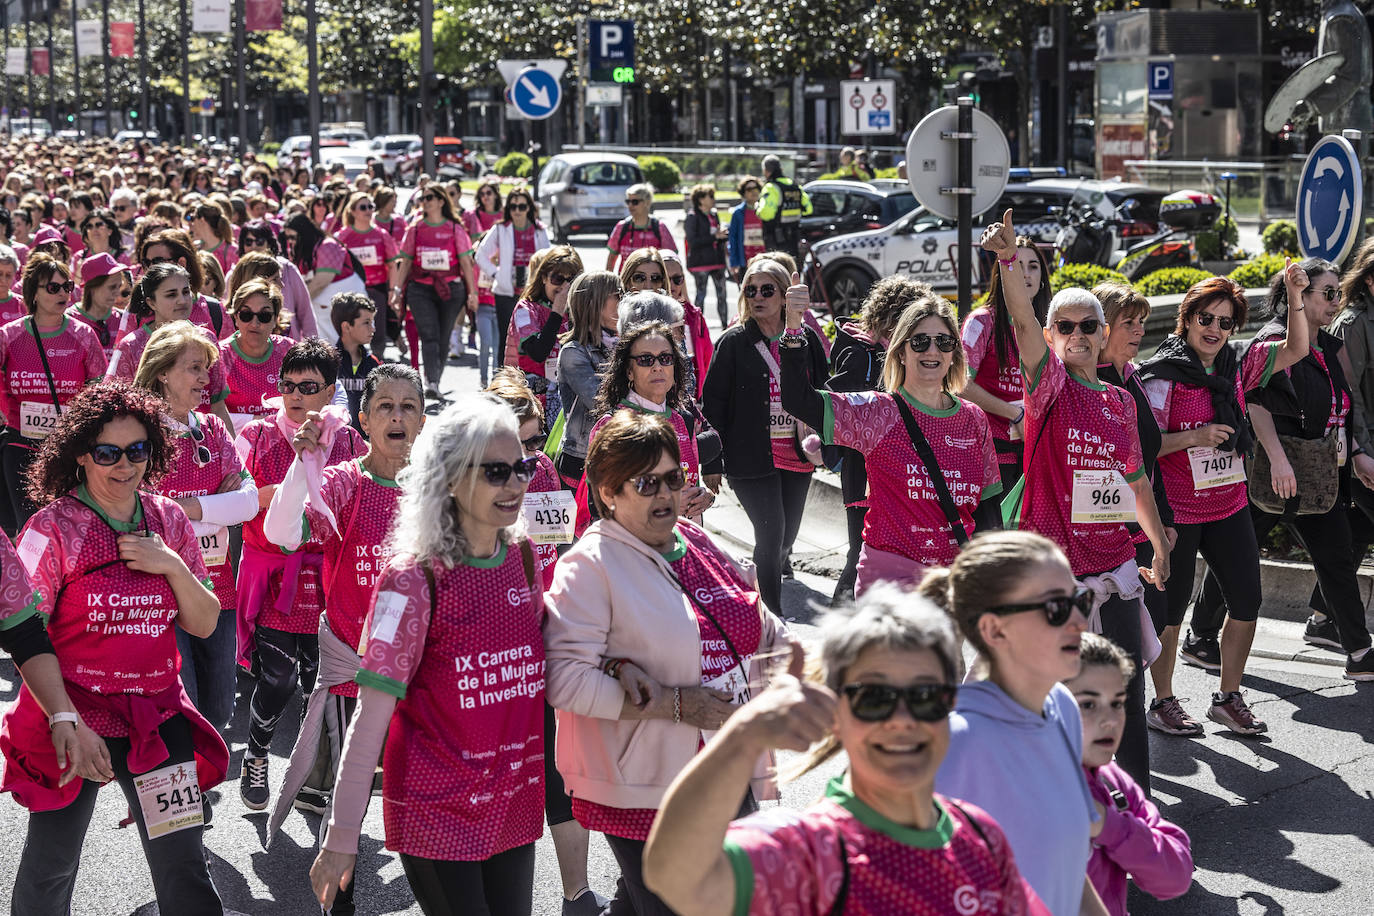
556	230
848	287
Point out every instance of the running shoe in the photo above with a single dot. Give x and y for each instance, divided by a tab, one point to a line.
1167	715
253	783
1362	670
1201	652
587	903
308	799
1323	633
1231	710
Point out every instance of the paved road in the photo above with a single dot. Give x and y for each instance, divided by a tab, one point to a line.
1280	825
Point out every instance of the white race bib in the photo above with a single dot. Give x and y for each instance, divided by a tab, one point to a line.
551	369
434	260
37	419
753	236
780	422
1102	497
1342	447
366	255
550	516
1214	468
214	548
170	799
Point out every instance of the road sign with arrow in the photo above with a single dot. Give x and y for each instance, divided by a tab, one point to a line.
1330	200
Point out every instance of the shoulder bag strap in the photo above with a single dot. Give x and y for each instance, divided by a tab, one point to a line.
842	896
971	822
433	590
937	478
527	559
43	355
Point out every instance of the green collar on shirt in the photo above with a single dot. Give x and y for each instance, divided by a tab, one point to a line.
640	408
127	527
375	479
928	410
936	838
486	562
1095	386
48	335
428	223
679	549
256	360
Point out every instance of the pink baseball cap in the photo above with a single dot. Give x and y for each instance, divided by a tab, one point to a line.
47	234
100	265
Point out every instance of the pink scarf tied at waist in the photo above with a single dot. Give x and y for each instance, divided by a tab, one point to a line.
332	419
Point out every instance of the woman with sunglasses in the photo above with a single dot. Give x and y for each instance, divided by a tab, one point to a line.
281	596
692	335
908	528
745	239
115	570
540	318
641	670
175	245
258	247
208	481
1197	383
45	360
460	583
328	269
503	259
377	252
1016	739
881	840
641	229
1086	476
742	399
253	356
436	279
102	280
487	211
211	231
644	272
593	312
100	235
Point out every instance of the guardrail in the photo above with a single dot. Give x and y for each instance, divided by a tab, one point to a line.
1264	190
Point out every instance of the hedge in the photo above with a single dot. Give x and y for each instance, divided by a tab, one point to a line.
1086	276
661	172
1257	271
1281	237
1212	244
1171	281
514	165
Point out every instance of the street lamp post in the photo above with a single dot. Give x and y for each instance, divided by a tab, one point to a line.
241	102
105	56
76	72
48	8
143	65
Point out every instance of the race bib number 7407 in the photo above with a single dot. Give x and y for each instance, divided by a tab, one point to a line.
1214	468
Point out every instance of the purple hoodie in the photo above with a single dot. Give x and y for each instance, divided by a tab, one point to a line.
1134	840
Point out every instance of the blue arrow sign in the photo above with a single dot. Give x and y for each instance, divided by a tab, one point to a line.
1330	200
535	93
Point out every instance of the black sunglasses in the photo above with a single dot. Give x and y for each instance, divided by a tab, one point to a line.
1066	327
366	208
307	387
633	201
253	241
107	455
559	279
920	343
428	197
1225	322
645	360
266	316
498	472
650	484
878	702
1328	293
535	443
519	208
676	279
641	277
55	288
766	291
120	208
1057	610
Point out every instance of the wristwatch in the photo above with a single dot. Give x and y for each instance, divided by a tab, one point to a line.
58	717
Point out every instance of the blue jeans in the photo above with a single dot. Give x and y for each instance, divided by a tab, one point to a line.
488	338
207	669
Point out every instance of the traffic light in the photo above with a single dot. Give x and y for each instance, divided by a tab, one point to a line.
71	119
133	114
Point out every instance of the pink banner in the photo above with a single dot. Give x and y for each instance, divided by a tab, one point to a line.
39	61
262	15
122	39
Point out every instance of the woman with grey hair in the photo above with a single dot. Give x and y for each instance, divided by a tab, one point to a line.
641	308
641	229
1085	476
882	839
464	786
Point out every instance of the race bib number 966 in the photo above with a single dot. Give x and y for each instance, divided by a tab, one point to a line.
1102	497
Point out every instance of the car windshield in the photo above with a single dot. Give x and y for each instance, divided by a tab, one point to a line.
606	173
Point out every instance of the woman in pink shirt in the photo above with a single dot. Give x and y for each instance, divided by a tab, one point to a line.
213	232
377	251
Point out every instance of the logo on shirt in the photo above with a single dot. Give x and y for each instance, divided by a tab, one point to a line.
518	596
954	442
969	900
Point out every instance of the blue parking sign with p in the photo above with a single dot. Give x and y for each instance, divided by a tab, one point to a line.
1161	79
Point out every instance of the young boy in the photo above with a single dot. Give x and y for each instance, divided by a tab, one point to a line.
354	316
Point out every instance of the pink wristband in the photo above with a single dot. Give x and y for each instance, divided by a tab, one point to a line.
1007	263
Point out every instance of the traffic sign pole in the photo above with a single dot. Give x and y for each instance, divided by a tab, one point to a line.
965	199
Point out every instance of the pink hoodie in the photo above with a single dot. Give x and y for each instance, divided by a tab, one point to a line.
1135	840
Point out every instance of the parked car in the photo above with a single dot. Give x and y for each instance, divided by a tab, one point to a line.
129	136
354	160
841	207
584	193
346	134
389	148
30	127
451	160
299	145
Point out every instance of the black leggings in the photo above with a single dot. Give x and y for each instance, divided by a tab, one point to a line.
844	586
1121	624
434	318
378	294
15	461
774	505
557	804
280	656
52	848
500	886
1229	547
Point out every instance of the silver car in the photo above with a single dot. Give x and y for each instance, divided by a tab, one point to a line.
585	192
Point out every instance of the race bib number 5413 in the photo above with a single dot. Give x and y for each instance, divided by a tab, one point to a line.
170	799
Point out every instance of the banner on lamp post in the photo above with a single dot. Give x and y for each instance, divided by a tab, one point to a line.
14	62
122	39
88	38
40	61
210	16
262	15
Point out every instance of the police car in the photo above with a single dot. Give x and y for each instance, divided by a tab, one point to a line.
924	246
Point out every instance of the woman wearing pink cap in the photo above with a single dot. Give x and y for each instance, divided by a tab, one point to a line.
102	278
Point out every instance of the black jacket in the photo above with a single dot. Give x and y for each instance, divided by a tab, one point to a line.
856	364
735	397
704	250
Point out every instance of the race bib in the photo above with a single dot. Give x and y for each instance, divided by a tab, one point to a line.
366	255
753	236
434	260
386	616
1342	447
37	419
1101	497
780	422
170	799
30	549
214	548
551	369
1214	468
550	516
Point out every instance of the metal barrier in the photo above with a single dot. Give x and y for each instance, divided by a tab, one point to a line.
1264	190
713	159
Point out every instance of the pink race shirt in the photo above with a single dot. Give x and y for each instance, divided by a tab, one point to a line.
251	381
905	517
1001	380
1180	407
525	322
790	862
686	443
130	351
18	600
331	258
465	752
106	329
781	430
202	317
434	250
1087	428
627	238
374	249
74	356
12	309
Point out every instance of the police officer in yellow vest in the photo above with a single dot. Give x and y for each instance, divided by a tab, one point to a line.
781	208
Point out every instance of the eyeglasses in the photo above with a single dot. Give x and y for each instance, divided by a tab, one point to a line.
307	387
498	472
920	343
633	201
878	702
365	208
251	242
676	279
266	316
519	208
107	455
646	360
203	455
1225	322
55	288
650	484
766	291
559	279
1057	610
1328	293
535	443
641	277
120	208
1066	327
428	197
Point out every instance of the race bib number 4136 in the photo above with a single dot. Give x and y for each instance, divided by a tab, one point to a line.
551	516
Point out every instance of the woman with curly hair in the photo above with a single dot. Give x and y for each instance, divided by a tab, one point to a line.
100	235
114	568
